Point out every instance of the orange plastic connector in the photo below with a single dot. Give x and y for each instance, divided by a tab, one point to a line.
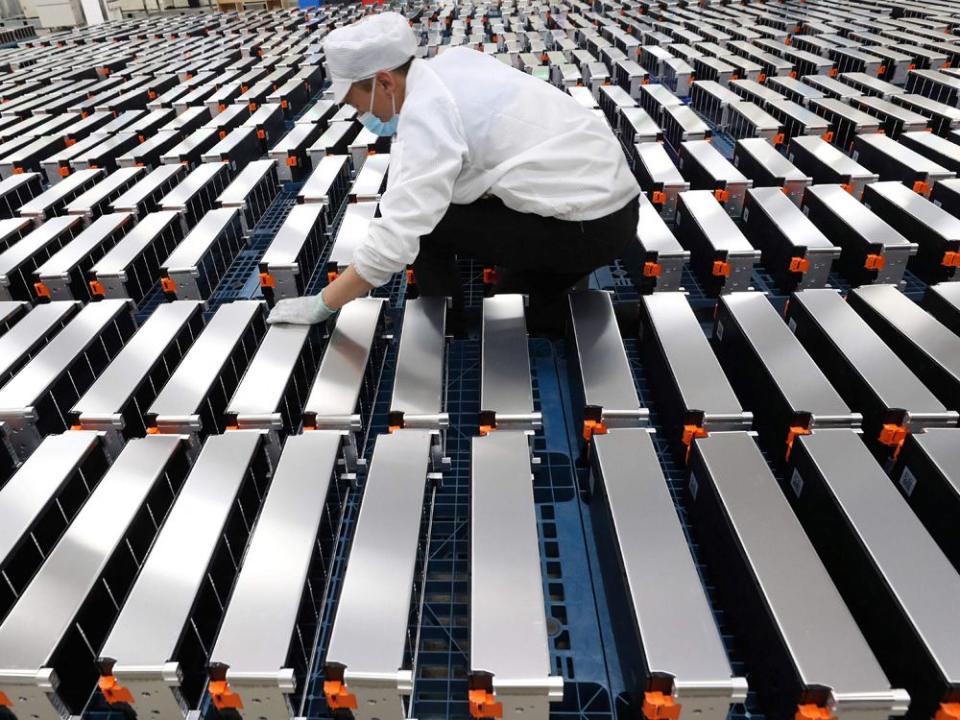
652	269
761	78
894	436
332	275
951	258
393	428
795	430
827	136
921	187
338	698
411	277
882	70
721	268
223	697
267	280
778	139
947	711
833	72
292	161
97	288
486	430
114	692
261	134
848	187
63	171
4	700
689	433
484	705
721	195
657	706
168	285
799	264
489	276
252	107
593	427
69	141
222	134
812	712
42	290
658	197
18	171
874	262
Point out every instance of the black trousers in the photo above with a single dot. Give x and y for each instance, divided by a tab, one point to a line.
538	256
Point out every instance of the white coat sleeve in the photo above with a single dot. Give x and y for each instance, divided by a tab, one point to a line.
424	165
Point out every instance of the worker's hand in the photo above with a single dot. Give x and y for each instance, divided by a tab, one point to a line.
308	310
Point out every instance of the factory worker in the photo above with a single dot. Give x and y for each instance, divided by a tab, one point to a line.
487	162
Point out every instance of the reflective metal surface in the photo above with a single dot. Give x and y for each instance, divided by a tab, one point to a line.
607	381
676	625
27	335
261	390
508	628
335	392
418	385
824	643
863	350
236	192
796	375
134	242
103	189
505	386
147	632
82	245
352	232
201	238
318	185
47	607
695	369
910	564
143	189
369	633
201	367
41	203
37	481
290	238
178	198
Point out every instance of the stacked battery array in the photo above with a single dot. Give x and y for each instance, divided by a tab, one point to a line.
732	490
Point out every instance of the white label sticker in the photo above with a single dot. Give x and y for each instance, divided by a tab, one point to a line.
792	324
796	483
719	331
938	203
736	161
908	481
806	210
746	214
866	204
790	157
855	155
694	485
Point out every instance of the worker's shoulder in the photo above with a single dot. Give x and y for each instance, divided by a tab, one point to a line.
458	56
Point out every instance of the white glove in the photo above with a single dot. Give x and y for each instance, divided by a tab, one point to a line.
308	310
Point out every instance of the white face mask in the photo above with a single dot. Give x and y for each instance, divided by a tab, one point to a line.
375	124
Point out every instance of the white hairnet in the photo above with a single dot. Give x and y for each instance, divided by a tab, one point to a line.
357	52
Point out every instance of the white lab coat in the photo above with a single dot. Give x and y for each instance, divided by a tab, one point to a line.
471	126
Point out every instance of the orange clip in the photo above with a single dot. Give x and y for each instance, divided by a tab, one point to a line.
411	278
721	268
799	264
69	141
141	138
812	712
338	698
5	701
593	427
332	275
778	139
721	195
657	706
832	72
658	197
894	436
168	285
261	134
151	95
484	705
252	107
689	433
947	711
221	107
114	692
96	288
292	161
652	269
827	136
63	171
848	187
284	104
222	134
223	697
882	70
795	430
393	428
761	78
489	276
18	171
267	280
487	429
42	290
951	258
153	431
921	187
874	262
